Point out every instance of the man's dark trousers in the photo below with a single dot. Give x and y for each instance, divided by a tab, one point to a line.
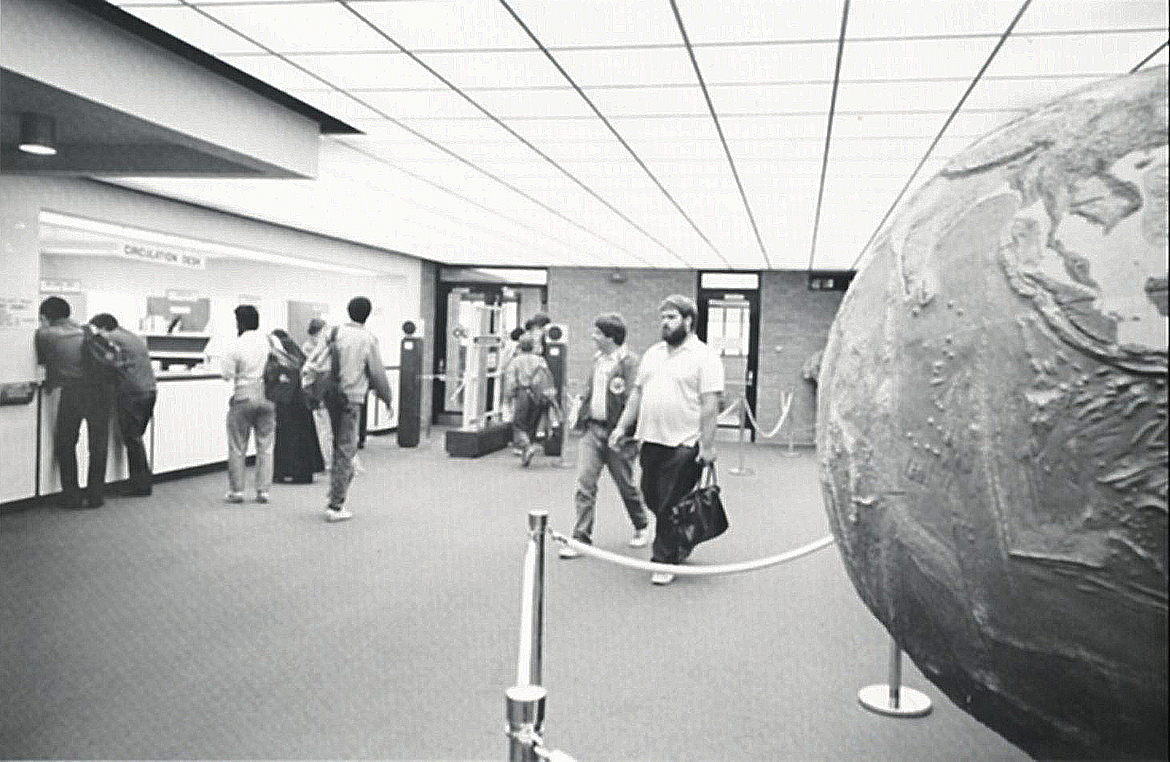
668	474
134	412
91	403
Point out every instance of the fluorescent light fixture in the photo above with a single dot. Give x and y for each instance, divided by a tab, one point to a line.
38	134
206	248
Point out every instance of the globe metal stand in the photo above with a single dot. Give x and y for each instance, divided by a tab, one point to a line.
894	699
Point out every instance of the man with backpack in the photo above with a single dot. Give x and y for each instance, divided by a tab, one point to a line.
528	384
134	395
340	375
66	351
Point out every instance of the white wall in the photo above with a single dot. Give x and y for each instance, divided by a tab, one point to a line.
395	290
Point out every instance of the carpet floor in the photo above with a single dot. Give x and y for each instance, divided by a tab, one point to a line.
179	627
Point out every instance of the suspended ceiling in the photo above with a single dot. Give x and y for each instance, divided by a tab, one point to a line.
715	134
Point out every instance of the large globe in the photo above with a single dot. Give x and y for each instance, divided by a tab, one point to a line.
992	419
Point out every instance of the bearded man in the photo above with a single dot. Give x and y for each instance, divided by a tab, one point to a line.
675	402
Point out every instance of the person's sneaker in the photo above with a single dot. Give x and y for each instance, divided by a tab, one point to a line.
234	497
338	514
261	497
567	552
526	458
641	538
661	578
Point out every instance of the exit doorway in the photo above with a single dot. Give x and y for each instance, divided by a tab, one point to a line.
729	323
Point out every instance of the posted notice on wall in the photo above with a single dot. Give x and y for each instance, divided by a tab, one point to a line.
17	312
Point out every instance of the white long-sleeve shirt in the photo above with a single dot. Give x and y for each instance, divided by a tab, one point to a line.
243	364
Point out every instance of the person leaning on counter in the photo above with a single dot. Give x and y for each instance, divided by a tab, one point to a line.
85	395
134	398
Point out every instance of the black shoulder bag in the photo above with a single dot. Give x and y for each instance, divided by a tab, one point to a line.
699	515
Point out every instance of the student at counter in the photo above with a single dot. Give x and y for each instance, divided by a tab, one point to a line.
134	396
86	394
249	410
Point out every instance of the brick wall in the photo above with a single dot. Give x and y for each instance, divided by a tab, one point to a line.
792	318
794	324
577	295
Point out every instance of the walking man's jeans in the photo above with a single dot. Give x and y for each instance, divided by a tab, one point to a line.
134	412
668	474
345	421
245	416
593	453
91	403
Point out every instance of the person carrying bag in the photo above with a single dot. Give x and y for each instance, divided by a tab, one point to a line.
699	516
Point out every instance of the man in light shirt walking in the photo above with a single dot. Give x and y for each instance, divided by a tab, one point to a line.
675	401
613	375
249	410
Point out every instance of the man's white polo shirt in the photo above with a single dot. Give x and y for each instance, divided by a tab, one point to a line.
672	381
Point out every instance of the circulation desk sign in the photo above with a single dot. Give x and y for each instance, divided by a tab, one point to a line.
144	252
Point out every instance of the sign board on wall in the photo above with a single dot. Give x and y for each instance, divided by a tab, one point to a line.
17	312
149	253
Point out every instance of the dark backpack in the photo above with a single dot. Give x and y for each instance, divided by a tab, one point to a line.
100	358
321	375
282	377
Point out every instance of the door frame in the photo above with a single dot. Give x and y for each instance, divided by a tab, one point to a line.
493	293
752	297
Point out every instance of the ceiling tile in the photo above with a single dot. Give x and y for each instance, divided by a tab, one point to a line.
874	18
445	24
598	22
1050	15
368	71
282	29
755	20
194	28
276	72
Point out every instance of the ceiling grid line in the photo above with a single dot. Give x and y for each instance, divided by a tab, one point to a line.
753	83
812	252
734	44
581	184
1150	57
613	130
991	57
429	141
722	138
443	189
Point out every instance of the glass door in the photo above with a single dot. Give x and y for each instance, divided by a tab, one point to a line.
729	323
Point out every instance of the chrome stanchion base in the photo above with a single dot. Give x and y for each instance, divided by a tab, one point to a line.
910	702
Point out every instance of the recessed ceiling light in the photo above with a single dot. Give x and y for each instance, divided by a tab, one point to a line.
38	134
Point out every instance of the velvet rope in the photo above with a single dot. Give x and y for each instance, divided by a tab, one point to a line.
693	571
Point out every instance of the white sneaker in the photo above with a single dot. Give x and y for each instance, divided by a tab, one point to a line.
261	497
641	538
340	514
661	578
567	552
234	497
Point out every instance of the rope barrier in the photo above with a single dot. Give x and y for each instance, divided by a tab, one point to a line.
785	406
693	571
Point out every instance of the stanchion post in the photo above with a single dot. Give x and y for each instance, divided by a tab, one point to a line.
894	699
741	469
525	701
525	711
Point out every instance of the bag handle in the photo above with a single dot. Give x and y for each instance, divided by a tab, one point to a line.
709	478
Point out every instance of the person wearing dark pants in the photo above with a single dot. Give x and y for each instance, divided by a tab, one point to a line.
86	395
612	376
134	397
675	402
360	369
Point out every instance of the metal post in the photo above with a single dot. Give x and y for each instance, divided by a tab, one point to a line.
525	712
741	469
894	699
528	666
